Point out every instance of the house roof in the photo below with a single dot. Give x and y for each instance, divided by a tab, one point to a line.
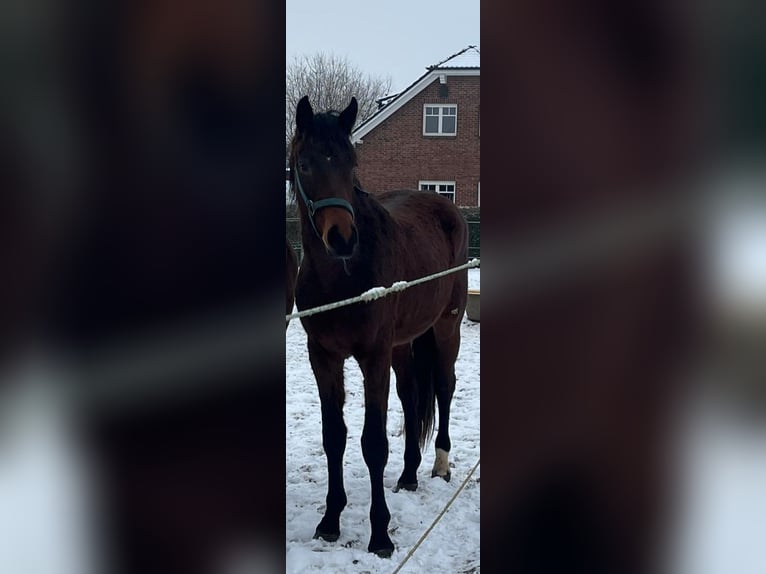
466	58
463	63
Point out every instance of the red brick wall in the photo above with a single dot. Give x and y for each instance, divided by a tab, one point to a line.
396	154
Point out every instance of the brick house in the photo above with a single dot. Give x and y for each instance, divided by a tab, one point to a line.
427	136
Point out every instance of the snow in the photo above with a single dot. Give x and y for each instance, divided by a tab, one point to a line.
474	278
453	544
373	293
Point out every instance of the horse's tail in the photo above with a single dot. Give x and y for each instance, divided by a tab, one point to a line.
424	357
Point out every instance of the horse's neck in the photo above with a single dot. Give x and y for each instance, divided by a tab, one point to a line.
371	218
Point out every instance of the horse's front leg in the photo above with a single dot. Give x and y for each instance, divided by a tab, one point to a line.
376	367
328	370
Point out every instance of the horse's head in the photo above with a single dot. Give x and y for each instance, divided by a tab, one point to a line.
322	161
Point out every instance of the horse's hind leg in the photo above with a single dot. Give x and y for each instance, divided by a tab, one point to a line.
447	334
407	390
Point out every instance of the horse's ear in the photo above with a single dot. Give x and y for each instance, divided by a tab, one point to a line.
304	115
348	116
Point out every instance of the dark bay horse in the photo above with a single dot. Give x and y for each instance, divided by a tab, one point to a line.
353	241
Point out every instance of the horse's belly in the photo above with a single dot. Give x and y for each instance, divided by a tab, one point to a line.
417	313
407	333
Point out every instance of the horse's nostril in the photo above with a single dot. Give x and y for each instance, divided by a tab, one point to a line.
338	245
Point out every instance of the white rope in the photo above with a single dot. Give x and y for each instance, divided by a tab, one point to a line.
436	520
378	292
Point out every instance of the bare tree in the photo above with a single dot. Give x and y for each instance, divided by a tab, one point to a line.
330	81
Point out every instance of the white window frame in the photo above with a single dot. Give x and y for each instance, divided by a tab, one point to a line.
436	184
441	115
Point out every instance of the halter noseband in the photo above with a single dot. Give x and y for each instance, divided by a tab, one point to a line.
314	206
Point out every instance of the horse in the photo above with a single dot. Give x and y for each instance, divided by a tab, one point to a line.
291	272
353	241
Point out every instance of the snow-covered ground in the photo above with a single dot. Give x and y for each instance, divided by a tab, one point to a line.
453	545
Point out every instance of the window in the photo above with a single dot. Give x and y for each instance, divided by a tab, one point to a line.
439	120
445	188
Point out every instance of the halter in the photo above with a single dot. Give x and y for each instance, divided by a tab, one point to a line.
314	206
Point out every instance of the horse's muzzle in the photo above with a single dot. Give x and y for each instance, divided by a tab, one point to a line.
339	246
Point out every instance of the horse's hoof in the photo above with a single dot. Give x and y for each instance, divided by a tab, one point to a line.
411	486
327	536
446	477
382	548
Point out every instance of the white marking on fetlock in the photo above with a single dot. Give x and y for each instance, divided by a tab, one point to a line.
441	463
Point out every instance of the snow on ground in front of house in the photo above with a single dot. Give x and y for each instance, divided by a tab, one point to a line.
453	544
474	278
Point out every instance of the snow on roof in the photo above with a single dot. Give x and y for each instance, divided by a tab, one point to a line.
466	58
464	62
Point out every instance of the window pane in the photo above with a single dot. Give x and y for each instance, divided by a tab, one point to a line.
432	124
450	111
448	124
431	111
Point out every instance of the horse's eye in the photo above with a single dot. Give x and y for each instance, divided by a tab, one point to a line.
303	166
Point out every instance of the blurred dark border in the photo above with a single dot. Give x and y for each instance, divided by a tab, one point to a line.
599	110
142	215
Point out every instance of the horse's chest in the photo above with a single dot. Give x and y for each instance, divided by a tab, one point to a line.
349	328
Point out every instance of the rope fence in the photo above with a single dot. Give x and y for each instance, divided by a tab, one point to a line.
379	292
437	519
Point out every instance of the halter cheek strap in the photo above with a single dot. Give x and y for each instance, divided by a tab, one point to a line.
314	206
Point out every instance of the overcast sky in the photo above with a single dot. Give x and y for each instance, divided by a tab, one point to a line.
396	38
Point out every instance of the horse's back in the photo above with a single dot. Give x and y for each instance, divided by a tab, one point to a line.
428	215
